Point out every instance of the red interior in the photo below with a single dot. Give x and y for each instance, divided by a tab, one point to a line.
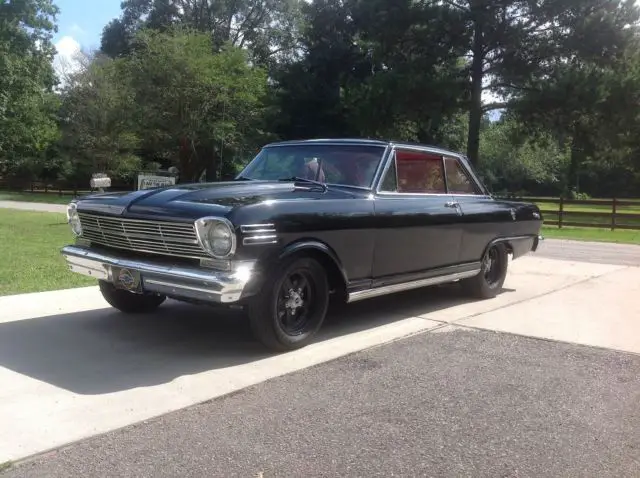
419	172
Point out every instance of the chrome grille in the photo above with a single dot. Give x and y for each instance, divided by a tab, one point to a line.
155	237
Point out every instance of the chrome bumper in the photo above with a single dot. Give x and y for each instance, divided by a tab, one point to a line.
173	281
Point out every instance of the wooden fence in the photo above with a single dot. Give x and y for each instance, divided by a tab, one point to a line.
597	213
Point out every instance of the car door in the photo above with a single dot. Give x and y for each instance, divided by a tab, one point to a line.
479	215
417	222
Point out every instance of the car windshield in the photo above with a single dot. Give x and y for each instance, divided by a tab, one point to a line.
349	165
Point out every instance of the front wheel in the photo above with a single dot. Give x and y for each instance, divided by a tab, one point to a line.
129	302
488	283
292	305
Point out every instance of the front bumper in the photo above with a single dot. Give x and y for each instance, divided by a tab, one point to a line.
187	282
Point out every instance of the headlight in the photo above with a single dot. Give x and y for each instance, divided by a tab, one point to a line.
73	219
216	236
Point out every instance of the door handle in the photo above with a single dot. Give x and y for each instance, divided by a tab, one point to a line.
452	204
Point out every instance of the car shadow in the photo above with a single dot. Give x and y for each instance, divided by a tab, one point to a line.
104	351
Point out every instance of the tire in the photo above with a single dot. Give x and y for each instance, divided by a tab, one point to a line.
488	283
282	321
129	302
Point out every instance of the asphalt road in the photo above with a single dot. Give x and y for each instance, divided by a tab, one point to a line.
457	402
595	252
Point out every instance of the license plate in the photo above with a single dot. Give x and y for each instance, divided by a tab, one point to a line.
126	279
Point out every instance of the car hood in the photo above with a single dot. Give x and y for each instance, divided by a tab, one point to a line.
190	201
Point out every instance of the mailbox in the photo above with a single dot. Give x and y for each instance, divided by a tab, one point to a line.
100	181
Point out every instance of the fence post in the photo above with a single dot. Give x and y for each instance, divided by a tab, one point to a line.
560	212
613	214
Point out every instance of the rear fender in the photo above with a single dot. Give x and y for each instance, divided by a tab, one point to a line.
518	246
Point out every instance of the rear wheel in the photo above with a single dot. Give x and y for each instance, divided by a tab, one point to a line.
129	302
488	283
292	305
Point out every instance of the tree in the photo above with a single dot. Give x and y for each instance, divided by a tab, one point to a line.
266	28
194	108
27	107
515	43
97	121
378	68
594	107
411	82
517	158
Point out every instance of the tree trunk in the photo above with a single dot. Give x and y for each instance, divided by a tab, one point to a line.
475	111
212	167
577	153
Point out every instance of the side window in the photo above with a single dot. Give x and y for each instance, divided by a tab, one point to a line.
457	179
419	172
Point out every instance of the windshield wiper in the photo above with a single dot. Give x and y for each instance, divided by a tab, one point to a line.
305	180
243	178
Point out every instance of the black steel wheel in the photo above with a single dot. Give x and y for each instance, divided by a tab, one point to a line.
292	305
129	302
296	303
488	283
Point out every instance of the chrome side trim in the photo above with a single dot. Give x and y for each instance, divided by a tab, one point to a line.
255	240
391	289
257	228
175	281
258	234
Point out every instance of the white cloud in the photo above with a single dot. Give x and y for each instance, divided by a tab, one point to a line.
66	61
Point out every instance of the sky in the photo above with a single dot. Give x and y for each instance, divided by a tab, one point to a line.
80	24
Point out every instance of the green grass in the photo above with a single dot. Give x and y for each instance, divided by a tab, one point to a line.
5	466
31	260
41	197
592	234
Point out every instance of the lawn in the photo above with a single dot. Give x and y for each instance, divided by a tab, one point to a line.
31	259
42	197
592	234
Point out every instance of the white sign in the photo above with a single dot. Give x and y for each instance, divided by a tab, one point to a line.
147	181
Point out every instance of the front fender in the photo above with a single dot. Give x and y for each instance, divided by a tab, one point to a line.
320	250
316	246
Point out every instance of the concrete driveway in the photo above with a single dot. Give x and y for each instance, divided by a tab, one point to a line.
34	206
71	368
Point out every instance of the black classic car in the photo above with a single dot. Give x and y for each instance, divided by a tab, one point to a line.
303	223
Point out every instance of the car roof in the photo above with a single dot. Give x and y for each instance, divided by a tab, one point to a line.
362	141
